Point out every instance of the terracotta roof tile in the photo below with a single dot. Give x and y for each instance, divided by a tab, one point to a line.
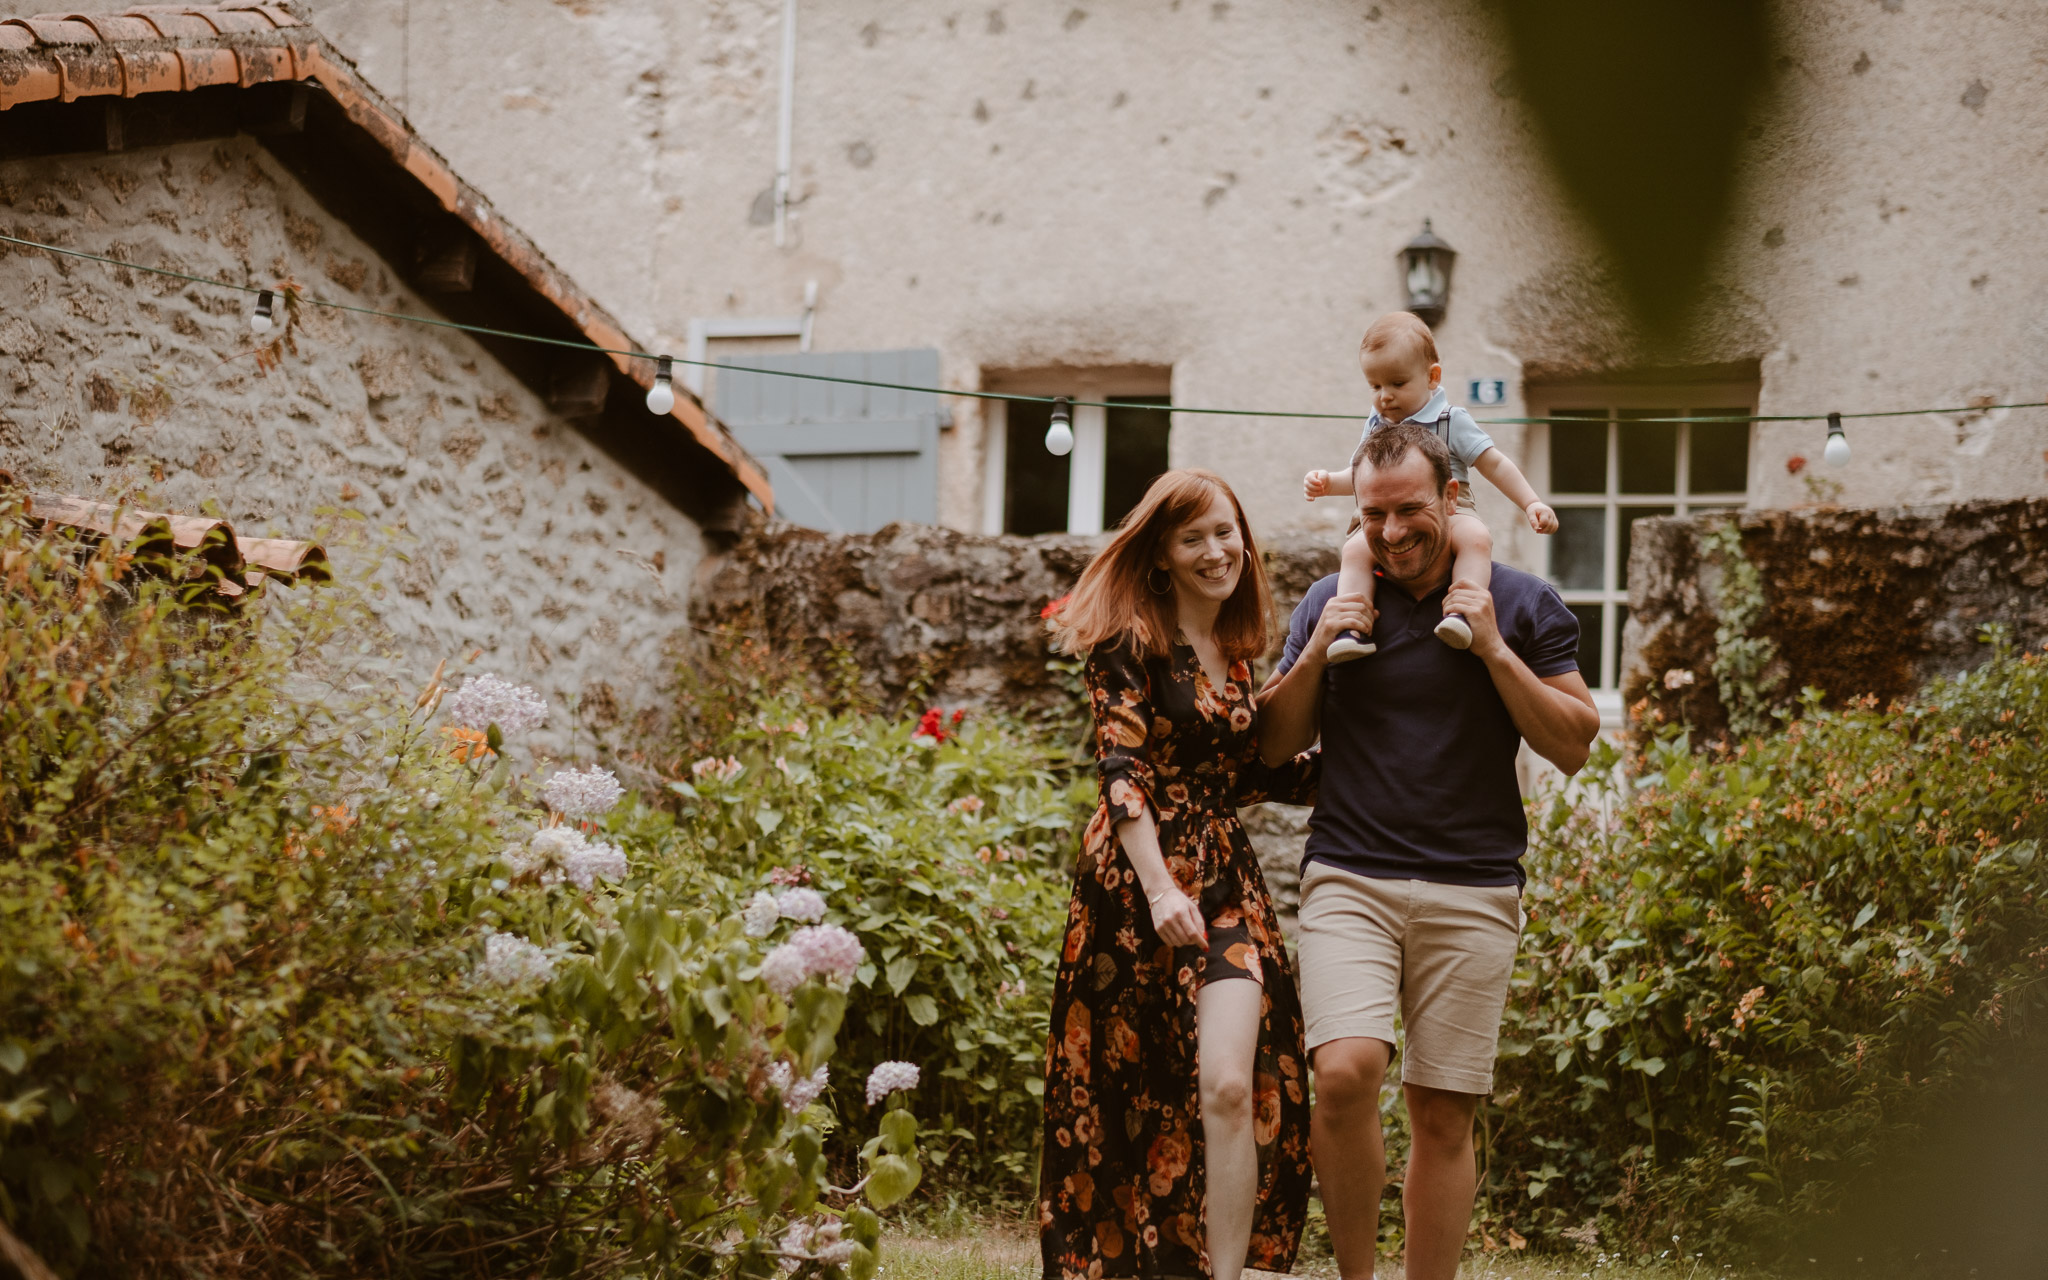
170	48
244	563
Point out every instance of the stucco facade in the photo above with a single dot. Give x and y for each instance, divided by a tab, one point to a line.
1220	189
506	530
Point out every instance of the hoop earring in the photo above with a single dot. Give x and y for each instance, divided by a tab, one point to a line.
1166	590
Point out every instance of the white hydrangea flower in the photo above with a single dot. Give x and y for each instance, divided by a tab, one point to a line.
583	793
818	950
816	1239
599	861
890	1077
798	1093
761	914
485	700
557	854
807	905
784	970
511	961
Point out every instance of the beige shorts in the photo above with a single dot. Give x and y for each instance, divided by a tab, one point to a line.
1468	502
1442	953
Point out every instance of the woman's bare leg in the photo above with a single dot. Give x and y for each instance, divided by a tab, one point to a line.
1227	1037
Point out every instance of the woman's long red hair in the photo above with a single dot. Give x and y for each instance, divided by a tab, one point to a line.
1114	600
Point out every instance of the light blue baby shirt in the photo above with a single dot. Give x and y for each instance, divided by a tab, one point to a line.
1466	438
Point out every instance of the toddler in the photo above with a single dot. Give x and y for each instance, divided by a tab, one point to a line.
1400	363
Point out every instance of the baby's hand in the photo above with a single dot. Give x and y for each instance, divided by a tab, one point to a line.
1541	518
1315	484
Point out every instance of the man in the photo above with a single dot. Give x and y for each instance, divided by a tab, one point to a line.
1412	880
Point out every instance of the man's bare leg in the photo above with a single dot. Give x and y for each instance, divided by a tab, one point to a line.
1442	1179
1345	1142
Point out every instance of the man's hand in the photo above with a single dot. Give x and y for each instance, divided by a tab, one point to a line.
1476	604
1315	484
1541	518
1343	613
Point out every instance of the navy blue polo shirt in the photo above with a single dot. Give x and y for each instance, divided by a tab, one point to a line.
1418	748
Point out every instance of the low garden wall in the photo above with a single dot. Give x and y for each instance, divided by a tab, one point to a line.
959	613
1851	602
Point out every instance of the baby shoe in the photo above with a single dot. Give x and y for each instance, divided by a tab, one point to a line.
1453	631
1350	645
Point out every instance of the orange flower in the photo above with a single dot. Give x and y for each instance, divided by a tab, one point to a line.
1266	1118
335	818
1122	1043
1167	1161
1079	1036
470	744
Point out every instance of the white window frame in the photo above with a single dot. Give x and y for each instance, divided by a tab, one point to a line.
1616	399
1087	464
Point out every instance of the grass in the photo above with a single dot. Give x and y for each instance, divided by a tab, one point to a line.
956	1246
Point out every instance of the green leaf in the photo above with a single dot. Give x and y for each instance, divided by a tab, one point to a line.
901	970
891	1180
923	1010
1863	916
13	1055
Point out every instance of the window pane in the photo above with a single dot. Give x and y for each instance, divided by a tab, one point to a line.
1577	549
1578	452
1718	455
1649	452
1628	515
1034	482
1589	643
1133	456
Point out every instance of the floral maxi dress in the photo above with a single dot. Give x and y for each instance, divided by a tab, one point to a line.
1121	1188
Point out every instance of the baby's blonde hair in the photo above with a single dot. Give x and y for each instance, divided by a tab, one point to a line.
1399	328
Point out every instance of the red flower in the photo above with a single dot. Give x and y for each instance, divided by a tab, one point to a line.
932	724
1054	606
1794	465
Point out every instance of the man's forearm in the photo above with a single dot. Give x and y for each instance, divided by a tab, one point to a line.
1290	711
1556	725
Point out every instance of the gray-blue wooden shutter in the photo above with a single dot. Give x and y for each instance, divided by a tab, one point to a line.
844	458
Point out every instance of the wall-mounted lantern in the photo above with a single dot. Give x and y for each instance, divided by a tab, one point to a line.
1426	270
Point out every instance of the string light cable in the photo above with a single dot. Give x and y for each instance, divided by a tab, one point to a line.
661	398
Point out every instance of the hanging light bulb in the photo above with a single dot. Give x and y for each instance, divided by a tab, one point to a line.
1837	450
1059	437
261	321
661	397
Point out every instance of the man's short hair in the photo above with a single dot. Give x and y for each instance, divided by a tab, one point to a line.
1401	329
1391	444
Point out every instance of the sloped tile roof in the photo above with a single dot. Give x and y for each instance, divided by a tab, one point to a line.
176	48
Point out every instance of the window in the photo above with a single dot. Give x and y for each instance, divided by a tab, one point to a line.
1118	452
1606	468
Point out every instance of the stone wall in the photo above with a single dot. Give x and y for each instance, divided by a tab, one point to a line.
1856	601
959	611
511	532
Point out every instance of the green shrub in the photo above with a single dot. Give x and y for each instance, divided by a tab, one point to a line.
944	841
1750	974
282	991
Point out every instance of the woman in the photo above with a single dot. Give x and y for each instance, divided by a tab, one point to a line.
1176	1104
